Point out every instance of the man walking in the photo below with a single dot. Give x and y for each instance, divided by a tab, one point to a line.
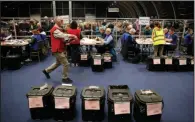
58	38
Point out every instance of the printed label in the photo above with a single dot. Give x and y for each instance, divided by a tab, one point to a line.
97	61
168	61
107	59
62	103
154	108
192	62
182	62
146	92
156	61
92	105
122	108
35	102
83	57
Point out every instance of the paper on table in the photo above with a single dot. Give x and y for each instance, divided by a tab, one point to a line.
35	102
182	62
168	61
154	108
107	59
92	105
62	103
122	108
83	57
97	61
156	61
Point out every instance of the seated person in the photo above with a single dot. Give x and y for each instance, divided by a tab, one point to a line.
166	31
128	43
109	43
100	49
188	41
147	31
36	38
172	38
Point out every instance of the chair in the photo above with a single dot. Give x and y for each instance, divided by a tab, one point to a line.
37	53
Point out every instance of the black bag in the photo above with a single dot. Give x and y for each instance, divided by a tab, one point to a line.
40	102
97	63
84	59
13	62
148	106
180	63
120	102
93	102
107	60
66	95
190	63
155	63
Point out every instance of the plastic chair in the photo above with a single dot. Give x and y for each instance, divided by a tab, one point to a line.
37	53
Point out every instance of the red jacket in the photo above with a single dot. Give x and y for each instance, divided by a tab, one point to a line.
75	32
57	44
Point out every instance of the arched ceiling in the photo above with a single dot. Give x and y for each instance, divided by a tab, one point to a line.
158	9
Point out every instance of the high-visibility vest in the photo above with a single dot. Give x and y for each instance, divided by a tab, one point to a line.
158	37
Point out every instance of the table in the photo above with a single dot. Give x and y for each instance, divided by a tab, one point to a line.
15	43
146	44
92	42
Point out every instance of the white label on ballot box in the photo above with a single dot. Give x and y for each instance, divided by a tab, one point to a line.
154	108
83	57
192	62
156	61
62	103
168	61
92	105
35	102
122	108
107	59
97	61
182	62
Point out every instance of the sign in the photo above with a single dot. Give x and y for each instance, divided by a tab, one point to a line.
97	61
83	57
113	9
168	61
65	19
144	20
35	102
122	108
107	59
92	105
154	108
182	62
62	103
156	61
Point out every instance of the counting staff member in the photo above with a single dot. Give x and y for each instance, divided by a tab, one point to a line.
158	39
171	38
58	48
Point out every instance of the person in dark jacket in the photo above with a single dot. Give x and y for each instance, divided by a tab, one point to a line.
172	38
128	43
188	41
75	53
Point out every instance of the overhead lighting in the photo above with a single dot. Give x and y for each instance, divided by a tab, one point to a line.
5	6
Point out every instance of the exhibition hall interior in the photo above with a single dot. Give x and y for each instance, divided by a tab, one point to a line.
97	61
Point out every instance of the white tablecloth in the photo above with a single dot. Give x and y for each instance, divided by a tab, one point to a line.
147	41
87	41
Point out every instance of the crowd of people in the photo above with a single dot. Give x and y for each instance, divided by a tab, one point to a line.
71	34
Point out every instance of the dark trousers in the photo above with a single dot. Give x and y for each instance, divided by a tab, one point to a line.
75	53
190	49
158	50
169	48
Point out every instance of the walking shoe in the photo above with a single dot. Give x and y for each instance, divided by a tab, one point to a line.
67	80
46	74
